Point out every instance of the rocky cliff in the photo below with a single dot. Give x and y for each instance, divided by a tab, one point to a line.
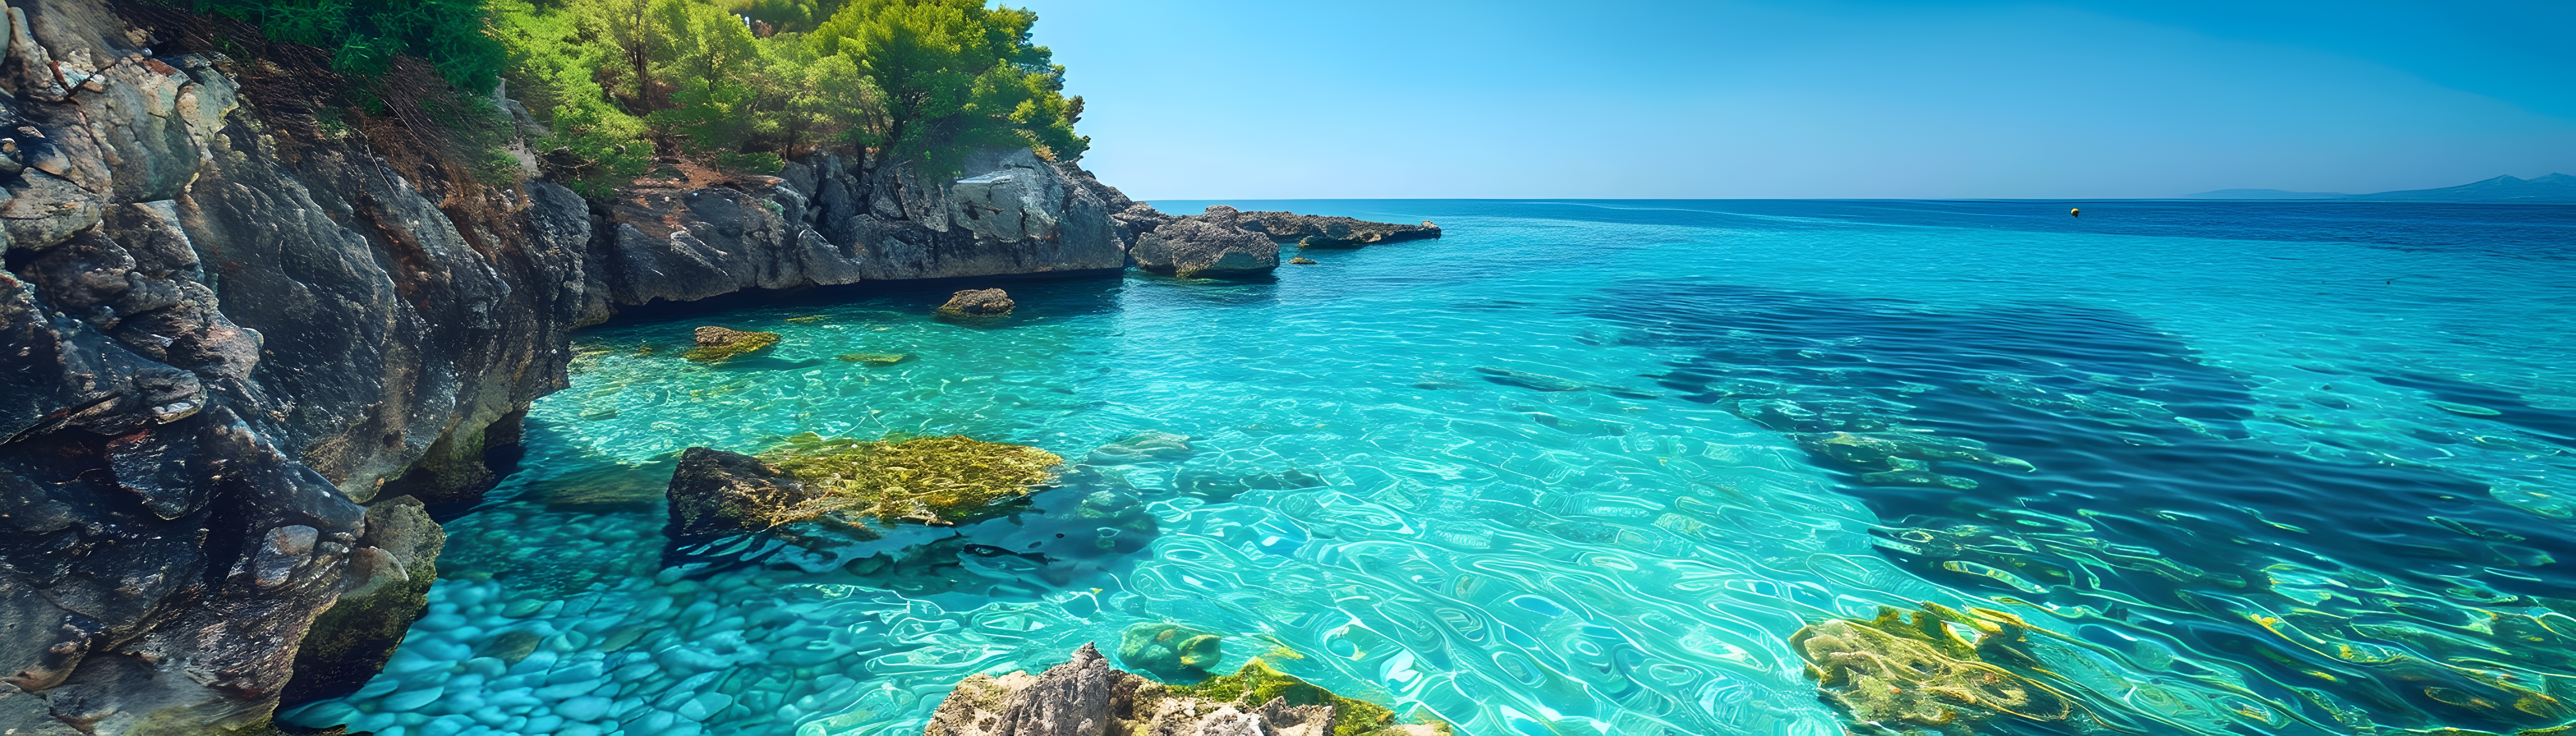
831	220
233	363
246	358
241	360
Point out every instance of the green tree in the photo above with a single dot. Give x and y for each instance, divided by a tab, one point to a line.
955	75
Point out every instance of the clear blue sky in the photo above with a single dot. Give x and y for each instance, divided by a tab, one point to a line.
1329	99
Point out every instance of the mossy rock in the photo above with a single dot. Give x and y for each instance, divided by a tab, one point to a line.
875	358
743	344
932	480
1922	673
1257	683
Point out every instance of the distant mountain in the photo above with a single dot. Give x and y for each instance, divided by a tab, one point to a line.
2264	194
2551	189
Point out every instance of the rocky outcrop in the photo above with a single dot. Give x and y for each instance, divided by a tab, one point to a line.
831	220
1319	231
978	303
1211	245
715	494
227	355
1087	697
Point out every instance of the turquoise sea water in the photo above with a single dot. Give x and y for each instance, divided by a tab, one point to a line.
2246	467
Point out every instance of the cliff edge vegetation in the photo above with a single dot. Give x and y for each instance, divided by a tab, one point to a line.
741	84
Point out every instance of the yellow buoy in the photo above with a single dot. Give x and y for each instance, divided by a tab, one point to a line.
2075	212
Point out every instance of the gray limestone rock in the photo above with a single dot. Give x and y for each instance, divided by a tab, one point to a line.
1318	231
829	221
1210	245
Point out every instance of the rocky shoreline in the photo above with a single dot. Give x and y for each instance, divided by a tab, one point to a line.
243	363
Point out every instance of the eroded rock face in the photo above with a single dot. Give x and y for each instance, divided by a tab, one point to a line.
830	220
224	359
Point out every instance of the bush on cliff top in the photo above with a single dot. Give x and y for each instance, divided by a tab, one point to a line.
364	36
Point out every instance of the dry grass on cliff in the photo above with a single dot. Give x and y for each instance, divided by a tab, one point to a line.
931	480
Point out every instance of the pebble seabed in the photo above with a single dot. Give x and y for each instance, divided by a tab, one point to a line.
1590	485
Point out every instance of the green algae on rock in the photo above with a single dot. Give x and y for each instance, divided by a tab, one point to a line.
1086	690
1257	684
932	480
1921	673
715	344
1170	651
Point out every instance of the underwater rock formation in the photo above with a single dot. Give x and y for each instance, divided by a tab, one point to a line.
874	358
1142	447
1920	673
716	493
1170	651
716	344
977	303
1087	697
930	480
1211	245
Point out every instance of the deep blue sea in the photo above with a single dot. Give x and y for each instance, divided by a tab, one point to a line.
1585	467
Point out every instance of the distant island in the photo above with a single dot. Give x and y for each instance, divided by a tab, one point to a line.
2551	189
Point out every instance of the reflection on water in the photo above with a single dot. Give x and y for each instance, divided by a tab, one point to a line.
1615	468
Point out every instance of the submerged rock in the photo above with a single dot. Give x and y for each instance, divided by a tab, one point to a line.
715	344
715	493
1921	673
1302	261
931	480
978	303
1170	651
875	358
1087	697
1523	379
1143	447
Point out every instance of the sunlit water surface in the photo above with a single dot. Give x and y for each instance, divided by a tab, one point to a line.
2293	468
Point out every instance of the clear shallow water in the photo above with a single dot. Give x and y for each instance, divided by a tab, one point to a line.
2293	468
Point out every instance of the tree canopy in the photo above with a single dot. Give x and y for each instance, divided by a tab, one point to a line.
743	82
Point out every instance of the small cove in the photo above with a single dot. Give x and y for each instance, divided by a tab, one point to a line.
2293	469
